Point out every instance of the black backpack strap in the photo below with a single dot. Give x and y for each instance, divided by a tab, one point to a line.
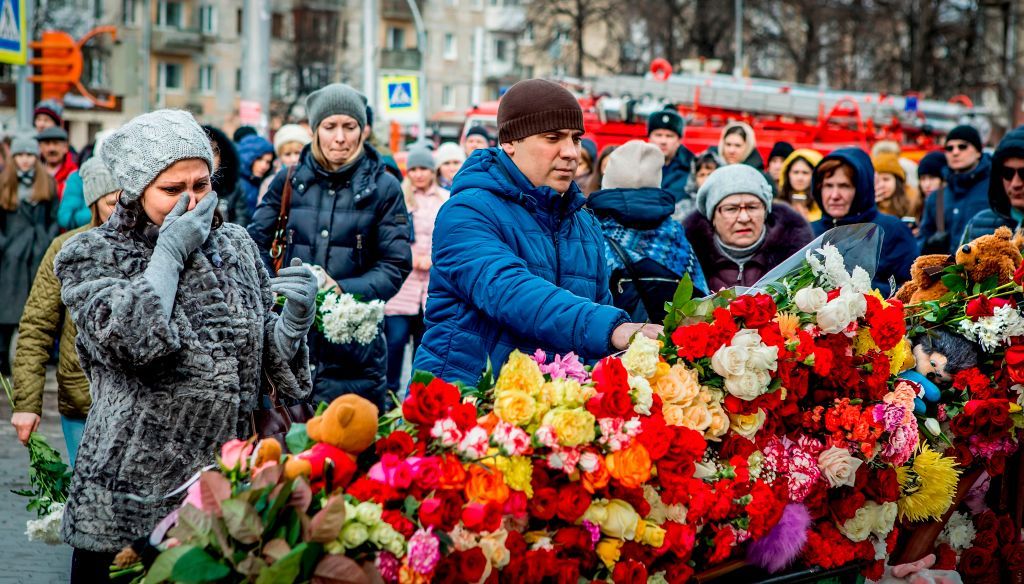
631	270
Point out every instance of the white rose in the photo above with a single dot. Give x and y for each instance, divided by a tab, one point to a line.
730	360
747	425
746	387
704	470
746	338
858	527
810	300
764	358
838	466
835	316
368	513
885	518
383	535
354	535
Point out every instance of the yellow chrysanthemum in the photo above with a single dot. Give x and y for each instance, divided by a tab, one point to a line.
518	471
520	373
927	484
863	343
901	357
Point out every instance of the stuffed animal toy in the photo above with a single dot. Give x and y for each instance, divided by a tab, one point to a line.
925	282
997	254
346	428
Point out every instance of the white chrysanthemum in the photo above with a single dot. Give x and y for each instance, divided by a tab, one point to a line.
991	332
831	273
47	528
347	320
959	532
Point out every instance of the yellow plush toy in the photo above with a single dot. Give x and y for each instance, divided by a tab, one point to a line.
346	428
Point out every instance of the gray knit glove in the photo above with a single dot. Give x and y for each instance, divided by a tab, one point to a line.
298	285
181	233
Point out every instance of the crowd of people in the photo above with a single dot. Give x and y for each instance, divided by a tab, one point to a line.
148	263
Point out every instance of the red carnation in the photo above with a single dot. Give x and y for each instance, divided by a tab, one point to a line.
724	541
544	504
398	521
398	443
945	557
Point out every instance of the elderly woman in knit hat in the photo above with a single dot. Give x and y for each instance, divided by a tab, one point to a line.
46	323
737	233
449	158
28	222
347	215
176	333
646	249
892	193
403	314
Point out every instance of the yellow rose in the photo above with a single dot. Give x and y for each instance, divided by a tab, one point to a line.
493	546
515	407
518	471
642	357
609	550
649	534
573	426
616	518
719	422
520	373
565	393
747	425
678	386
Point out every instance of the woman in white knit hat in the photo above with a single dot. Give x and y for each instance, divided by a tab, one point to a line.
176	332
46	323
449	158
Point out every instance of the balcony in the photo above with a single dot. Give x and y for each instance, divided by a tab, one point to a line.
505	18
502	71
400	59
397	9
177	41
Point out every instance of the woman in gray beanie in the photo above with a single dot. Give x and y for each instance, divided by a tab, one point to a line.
347	215
176	333
28	222
46	323
738	232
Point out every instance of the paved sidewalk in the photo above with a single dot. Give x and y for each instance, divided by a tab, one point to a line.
22	561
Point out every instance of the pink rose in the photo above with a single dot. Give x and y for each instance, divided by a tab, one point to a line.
235	454
392	471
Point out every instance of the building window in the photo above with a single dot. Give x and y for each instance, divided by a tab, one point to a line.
451	48
169	14
206	78
277	86
238	80
528	34
97	9
501	50
6	73
316	76
396	38
208	19
128	12
240	19
447	97
170	77
277	25
95	72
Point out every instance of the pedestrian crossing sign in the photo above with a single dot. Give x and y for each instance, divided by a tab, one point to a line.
13	34
400	94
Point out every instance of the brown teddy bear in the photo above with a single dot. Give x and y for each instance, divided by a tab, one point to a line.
346	428
997	254
925	282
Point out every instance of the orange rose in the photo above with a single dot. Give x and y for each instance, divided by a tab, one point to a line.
486	485
453	475
630	466
597	479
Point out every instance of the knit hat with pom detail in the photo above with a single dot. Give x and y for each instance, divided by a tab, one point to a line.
535	106
144	147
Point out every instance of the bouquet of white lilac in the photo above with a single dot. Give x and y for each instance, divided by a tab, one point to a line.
343	318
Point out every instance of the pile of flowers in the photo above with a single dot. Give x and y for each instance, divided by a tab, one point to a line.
344	318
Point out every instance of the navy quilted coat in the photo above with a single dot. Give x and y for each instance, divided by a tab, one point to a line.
514	267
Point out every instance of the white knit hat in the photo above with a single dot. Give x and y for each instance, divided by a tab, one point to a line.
449	151
634	165
290	133
144	147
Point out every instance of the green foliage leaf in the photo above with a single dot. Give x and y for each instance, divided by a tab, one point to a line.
684	292
285	570
242	521
196	565
327	523
162	567
422	377
297	440
955	282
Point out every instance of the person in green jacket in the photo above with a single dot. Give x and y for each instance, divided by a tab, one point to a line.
45	321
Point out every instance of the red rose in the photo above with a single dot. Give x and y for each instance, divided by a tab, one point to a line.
945	557
1014	360
611	404
963	425
471	564
515	544
756	311
885	487
447	570
428	403
986	520
399	522
979	307
963	454
1005	530
572	539
996	465
629	572
573	501
544	504
679	572
691	341
1014	556
976	563
566	571
398	443
432	512
654	436
987	540
464	415
610	375
365	489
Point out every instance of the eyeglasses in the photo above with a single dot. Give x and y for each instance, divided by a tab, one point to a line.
733	211
1008	173
959	146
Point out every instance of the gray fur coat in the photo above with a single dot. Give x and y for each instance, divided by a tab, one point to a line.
165	395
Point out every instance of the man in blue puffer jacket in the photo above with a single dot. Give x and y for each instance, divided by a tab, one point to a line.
517	262
844	188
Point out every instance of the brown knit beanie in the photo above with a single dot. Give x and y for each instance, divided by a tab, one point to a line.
535	106
889	163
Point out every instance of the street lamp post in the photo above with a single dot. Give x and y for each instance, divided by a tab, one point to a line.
421	42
